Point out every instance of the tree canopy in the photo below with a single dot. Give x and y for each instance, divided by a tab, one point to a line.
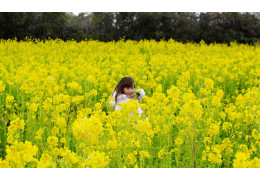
109	26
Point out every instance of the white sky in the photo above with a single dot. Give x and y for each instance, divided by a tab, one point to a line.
77	6
76	13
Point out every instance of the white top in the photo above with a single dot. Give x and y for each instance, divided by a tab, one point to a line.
121	98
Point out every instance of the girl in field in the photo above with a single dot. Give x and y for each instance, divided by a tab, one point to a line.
124	91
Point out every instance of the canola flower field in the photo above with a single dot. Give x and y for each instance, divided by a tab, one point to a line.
202	103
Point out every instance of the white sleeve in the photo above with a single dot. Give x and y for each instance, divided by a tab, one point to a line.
114	94
141	94
112	101
120	98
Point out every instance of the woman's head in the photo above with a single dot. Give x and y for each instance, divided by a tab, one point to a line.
125	86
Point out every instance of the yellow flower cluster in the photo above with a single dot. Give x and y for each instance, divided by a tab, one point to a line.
87	128
21	154
52	140
16	126
2	86
213	154
75	86
213	129
178	141
144	127
97	160
131	158
201	108
243	161
46	161
255	134
144	153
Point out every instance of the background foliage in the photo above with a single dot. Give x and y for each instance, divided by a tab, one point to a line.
108	26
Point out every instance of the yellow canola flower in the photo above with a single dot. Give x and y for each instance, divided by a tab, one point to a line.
73	158
209	83
213	154
178	141
207	140
255	134
97	160
220	93
61	122
241	160
75	86
144	153
227	146
226	126
203	91
77	99
255	163
144	127
216	101
189	97
213	129
192	107
63	140
220	79
2	86
112	144
34	107
56	151
46	161
240	101
137	144
162	153
39	134
55	90
47	104
4	164
19	154
16	125
131	158
87	128
52	140
9	99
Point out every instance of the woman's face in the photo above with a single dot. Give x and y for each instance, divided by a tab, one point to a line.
129	91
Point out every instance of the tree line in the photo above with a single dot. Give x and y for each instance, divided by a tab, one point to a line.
184	27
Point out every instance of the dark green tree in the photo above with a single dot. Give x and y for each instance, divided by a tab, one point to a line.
102	26
50	25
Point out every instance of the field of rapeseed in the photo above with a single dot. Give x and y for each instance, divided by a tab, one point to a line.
202	103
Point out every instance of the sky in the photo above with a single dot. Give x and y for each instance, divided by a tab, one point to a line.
76	13
77	6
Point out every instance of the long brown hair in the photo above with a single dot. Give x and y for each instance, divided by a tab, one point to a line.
124	82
